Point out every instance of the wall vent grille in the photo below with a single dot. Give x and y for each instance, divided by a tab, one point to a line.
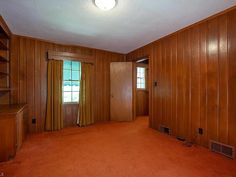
164	129
223	149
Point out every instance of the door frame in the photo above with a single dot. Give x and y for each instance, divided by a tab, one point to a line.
146	57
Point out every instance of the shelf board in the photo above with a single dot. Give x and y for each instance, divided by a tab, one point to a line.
2	59
4	30
3	34
3	74
3	46
5	89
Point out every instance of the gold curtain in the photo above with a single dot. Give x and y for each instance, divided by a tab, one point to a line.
54	115
85	115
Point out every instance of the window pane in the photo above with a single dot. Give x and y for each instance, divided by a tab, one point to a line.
75	96
67	74
75	86
138	80
67	97
141	77
75	65
142	74
71	71
67	86
67	65
142	81
75	75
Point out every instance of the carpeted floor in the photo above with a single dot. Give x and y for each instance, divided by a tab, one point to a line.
114	150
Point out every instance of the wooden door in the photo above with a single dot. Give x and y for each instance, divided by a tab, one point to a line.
121	91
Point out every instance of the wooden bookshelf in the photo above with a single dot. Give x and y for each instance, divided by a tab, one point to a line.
5	89
3	60
3	45
3	34
4	30
3	74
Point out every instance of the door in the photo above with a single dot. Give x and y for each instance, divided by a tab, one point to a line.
121	91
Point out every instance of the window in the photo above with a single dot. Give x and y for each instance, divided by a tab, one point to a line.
141	78
71	81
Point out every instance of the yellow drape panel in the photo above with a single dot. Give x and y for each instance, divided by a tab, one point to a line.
54	115
86	116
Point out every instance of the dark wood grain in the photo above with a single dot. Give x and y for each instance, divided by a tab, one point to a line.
4	28
232	77
5	35
196	76
12	130
29	77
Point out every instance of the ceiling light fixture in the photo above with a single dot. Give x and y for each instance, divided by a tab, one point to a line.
105	4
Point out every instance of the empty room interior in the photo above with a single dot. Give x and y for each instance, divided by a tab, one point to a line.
117	88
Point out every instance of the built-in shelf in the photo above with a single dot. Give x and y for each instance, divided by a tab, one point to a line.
5	89
5	86
3	74
3	34
2	59
3	46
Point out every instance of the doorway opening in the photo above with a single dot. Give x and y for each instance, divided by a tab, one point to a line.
141	90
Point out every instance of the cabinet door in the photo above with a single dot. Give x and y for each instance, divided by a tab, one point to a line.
19	129
7	137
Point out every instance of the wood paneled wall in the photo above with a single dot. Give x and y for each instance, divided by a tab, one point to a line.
196	76
70	113
29	77
142	102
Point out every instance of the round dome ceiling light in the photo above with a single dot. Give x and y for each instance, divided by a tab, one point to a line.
105	4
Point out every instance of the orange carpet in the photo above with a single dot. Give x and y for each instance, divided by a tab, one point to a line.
114	150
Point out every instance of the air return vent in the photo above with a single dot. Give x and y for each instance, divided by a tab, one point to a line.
223	149
164	129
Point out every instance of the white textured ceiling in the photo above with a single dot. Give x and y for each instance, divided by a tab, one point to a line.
131	24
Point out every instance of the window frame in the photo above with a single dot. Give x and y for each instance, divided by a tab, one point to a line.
145	84
71	70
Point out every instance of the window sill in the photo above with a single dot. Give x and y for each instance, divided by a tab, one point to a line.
145	90
141	89
72	103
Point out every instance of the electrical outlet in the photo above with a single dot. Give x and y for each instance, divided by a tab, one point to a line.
33	120
200	131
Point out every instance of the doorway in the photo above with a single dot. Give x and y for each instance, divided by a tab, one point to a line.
141	90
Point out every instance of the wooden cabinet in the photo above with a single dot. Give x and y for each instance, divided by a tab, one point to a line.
12	121
12	130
